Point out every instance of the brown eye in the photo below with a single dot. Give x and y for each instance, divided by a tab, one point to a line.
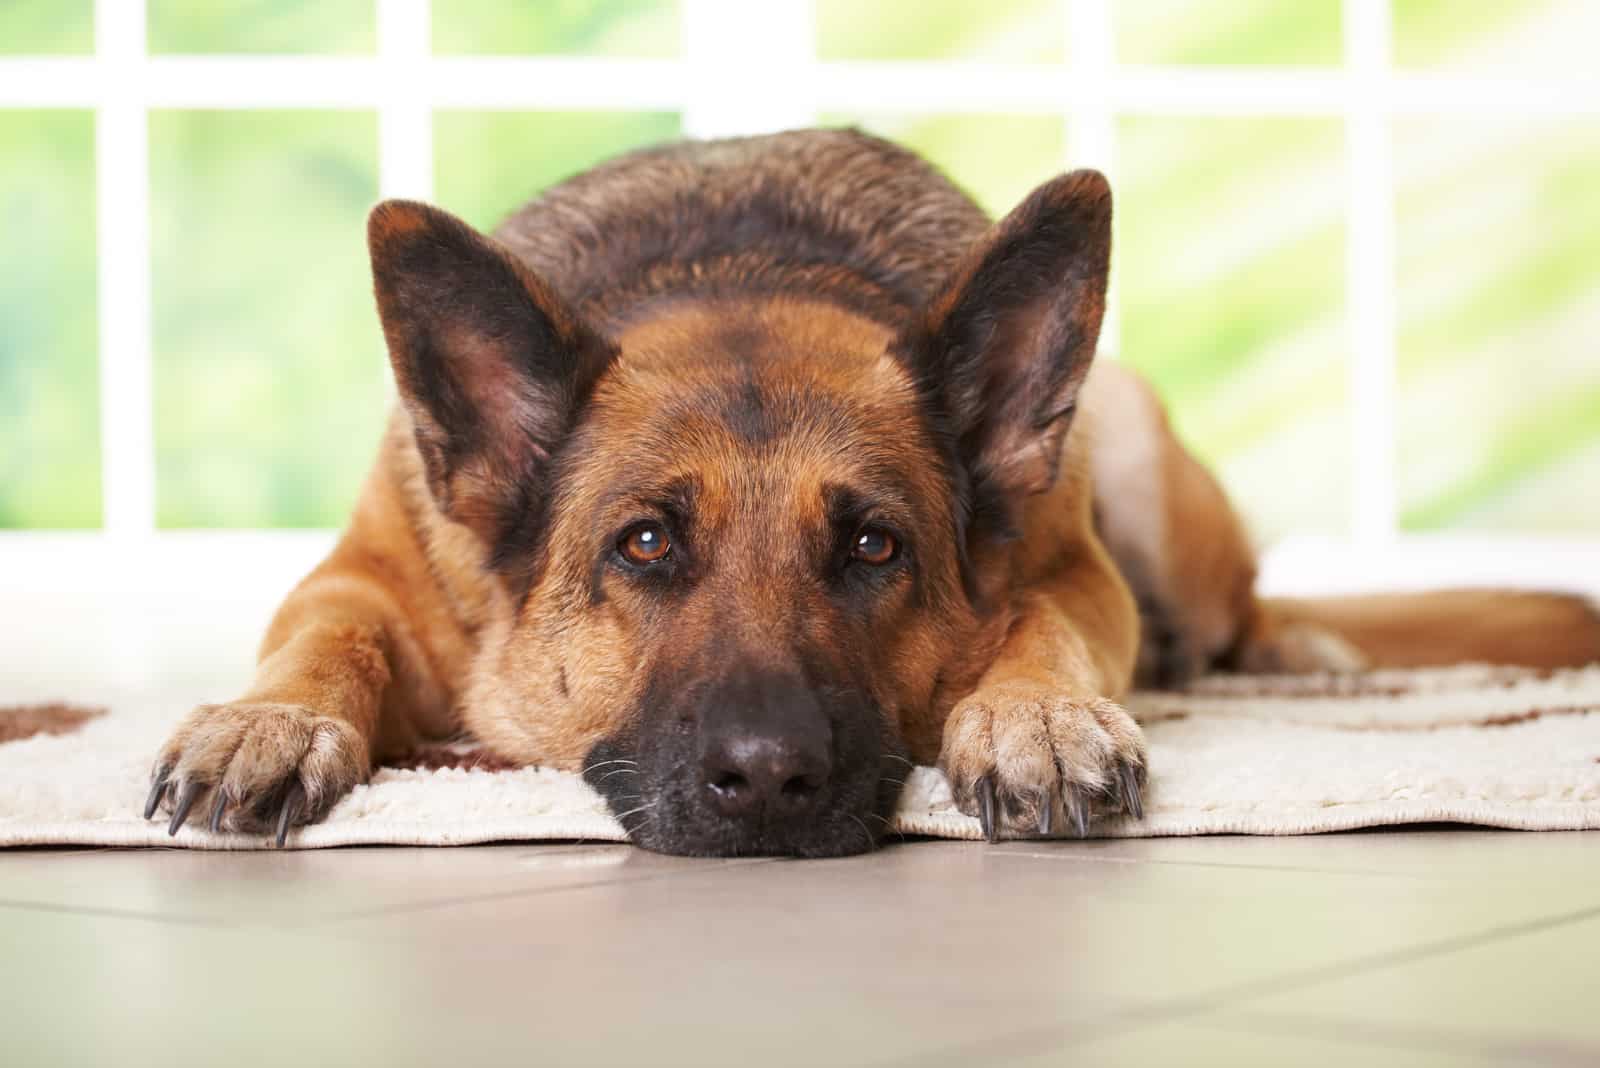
875	546
645	544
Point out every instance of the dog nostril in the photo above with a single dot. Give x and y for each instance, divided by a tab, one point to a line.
729	782
801	786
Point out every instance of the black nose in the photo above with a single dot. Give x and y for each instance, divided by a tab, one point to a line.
748	773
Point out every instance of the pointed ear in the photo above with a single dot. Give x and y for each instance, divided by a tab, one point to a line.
1004	347
491	365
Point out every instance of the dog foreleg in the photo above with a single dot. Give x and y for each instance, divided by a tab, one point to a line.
1041	743
340	676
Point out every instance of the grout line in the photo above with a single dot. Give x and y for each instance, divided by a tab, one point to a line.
1071	856
102	912
1391	1036
1390	958
324	919
402	908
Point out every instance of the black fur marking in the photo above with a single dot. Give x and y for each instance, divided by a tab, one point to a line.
791	237
837	215
747	413
597	576
1168	658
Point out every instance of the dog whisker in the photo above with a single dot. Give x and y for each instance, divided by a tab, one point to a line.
632	811
619	771
604	763
895	756
888	826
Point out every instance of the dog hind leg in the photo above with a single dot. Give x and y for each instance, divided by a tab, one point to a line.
1171	530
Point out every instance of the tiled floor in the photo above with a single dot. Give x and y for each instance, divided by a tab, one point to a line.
1418	947
1431	947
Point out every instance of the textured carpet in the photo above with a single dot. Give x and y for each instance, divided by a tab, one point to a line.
1250	755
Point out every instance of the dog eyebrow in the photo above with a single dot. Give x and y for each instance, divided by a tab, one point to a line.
851	506
675	498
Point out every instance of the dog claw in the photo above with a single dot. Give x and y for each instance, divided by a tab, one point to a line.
1047	811
1132	794
1077	807
186	799
157	788
291	809
984	789
216	811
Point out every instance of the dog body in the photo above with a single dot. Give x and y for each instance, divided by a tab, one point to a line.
737	476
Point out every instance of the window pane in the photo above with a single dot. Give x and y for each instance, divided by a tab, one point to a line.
1229	32
1499	245
286	26
1229	255
1016	31
49	386
488	163
1488	36
556	27
997	159
46	27
269	363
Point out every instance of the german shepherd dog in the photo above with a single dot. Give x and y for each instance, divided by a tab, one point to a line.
742	475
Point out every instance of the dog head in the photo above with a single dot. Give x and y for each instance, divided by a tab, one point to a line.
754	545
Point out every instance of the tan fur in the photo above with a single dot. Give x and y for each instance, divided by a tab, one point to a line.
1170	527
1177	538
1521	627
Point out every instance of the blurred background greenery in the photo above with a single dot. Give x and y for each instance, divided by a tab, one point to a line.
270	379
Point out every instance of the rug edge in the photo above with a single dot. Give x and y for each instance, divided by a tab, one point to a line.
1574	816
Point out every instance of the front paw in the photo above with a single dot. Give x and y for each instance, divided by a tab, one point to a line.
256	767
1021	757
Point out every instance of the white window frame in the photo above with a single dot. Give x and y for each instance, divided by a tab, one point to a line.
728	44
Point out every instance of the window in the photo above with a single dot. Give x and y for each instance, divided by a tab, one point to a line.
1357	246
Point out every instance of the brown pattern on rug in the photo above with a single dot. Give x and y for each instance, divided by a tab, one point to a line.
24	721
1388	683
1148	713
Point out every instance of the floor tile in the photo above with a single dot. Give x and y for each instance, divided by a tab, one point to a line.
920	949
1525	995
80	989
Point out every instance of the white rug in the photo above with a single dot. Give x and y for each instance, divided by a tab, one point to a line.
1232	755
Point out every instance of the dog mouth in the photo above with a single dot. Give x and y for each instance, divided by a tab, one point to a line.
670	797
